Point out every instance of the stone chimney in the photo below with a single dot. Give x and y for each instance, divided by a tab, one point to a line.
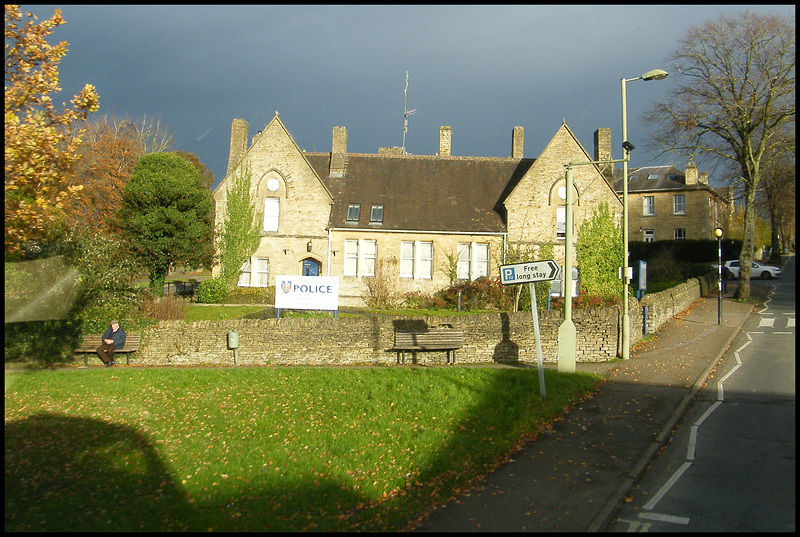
691	174
602	151
338	151
703	178
445	139
240	130
517	142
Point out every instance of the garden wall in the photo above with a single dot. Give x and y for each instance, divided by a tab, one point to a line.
491	337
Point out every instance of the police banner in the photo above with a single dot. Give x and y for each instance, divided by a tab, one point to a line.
307	292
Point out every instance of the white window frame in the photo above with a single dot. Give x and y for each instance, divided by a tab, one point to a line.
350	257
261	272
370	256
244	273
679	208
424	260
254	272
407	255
649	235
360	257
679	231
416	260
272	211
648	209
473	260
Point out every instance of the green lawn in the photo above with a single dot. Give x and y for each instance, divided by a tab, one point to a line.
261	449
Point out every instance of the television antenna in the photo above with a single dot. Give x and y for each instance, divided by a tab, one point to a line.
406	113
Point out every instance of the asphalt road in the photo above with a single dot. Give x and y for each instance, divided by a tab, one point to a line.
730	465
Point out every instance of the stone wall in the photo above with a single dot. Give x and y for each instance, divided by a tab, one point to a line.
491	337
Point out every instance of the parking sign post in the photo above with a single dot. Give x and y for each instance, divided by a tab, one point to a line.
538	271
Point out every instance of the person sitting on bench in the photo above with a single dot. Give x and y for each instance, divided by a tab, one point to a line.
113	339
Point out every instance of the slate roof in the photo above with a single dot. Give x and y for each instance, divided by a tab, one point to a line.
422	193
651	178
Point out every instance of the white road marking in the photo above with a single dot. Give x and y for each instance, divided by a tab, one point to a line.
668	485
766	321
665	518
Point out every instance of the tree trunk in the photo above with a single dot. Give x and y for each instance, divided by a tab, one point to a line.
748	243
775	239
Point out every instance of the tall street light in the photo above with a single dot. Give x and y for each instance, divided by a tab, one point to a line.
655	74
718	234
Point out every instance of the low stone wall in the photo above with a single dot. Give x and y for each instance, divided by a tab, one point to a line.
494	337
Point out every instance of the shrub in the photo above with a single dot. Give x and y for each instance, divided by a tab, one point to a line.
211	291
165	308
251	295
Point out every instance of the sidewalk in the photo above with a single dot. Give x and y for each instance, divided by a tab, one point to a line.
575	477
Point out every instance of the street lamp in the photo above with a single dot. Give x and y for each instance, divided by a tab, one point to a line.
718	235
655	74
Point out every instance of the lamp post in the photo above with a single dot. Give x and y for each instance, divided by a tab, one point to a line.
718	235
655	74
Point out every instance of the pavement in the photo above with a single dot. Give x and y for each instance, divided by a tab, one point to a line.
576	476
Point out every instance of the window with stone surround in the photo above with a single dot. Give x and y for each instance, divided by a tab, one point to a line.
271	213
679	204
416	260
648	206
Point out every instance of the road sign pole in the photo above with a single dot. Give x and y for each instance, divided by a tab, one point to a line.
535	315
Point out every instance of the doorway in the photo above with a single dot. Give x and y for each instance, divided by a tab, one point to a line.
311	267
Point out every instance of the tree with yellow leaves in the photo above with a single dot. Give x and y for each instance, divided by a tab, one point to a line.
39	149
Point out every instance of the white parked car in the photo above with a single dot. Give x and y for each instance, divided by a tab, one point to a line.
765	272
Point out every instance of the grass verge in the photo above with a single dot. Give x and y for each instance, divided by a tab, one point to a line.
262	449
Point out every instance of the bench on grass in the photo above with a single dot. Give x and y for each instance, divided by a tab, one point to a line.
90	343
434	339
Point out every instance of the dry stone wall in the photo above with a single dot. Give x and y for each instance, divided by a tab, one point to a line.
488	338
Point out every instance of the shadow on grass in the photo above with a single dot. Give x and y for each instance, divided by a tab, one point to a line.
69	474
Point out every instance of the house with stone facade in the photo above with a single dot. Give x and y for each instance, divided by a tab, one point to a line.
669	204
416	221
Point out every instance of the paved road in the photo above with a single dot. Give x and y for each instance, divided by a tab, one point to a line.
730	465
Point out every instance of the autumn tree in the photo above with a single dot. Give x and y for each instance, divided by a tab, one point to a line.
111	148
166	216
39	150
735	91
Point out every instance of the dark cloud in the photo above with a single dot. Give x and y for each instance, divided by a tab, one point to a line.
480	69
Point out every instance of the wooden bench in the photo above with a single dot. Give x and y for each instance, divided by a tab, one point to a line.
434	339
90	343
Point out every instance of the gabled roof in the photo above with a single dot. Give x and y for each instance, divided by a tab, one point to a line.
422	193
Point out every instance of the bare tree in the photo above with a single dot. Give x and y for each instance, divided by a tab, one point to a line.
779	185
735	93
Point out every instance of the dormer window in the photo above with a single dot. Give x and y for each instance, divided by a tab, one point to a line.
652	177
353	212
376	215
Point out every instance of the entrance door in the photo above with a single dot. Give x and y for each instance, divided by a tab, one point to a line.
311	267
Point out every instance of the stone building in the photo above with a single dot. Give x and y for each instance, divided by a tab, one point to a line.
667	204
416	222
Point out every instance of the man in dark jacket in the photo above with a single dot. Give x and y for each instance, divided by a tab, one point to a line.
113	339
